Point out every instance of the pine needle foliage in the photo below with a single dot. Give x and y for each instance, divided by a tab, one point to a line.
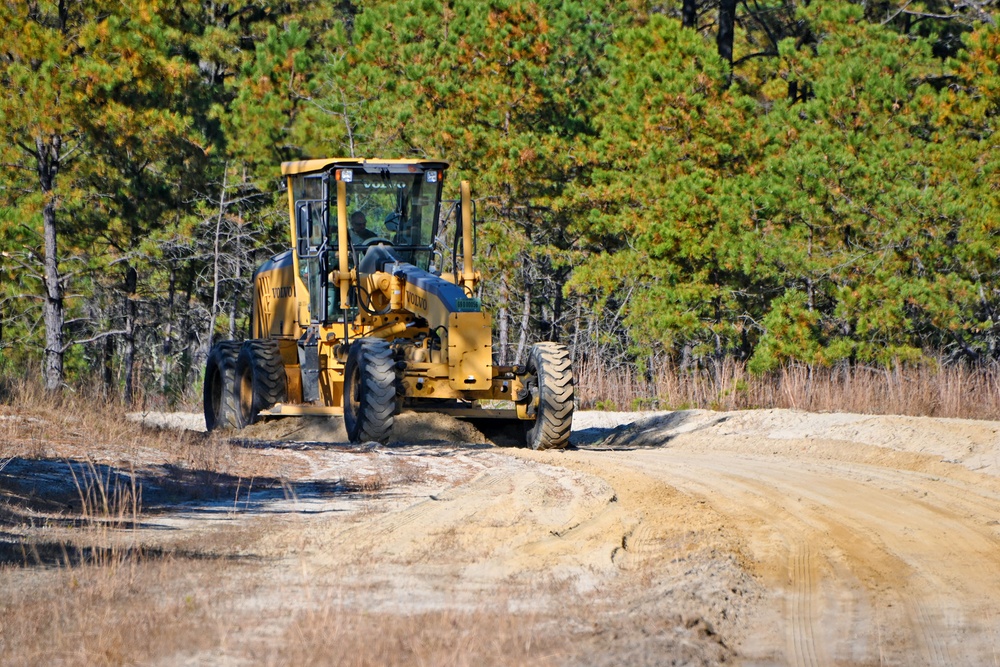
822	191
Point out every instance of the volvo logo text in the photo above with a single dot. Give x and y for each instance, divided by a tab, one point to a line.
413	299
398	186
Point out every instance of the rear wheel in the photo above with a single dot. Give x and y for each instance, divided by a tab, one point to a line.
369	391
262	383
550	382
220	398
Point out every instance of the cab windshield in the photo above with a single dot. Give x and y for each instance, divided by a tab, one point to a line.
390	208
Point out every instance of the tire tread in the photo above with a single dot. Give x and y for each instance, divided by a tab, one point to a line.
221	367
377	395
554	419
262	359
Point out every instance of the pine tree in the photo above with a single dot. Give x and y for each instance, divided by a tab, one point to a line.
92	118
671	138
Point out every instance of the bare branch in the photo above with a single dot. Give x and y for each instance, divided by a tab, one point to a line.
898	12
27	149
762	54
98	337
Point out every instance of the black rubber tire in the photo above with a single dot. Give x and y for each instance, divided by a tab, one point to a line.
551	380
260	378
369	391
219	394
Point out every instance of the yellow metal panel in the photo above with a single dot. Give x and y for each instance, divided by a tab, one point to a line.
274	304
262	306
469	278
470	351
424	304
301	316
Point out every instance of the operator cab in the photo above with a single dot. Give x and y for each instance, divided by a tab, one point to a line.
391	204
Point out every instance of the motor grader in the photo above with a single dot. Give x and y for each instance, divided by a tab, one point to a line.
355	318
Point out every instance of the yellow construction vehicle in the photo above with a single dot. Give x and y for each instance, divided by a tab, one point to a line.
355	318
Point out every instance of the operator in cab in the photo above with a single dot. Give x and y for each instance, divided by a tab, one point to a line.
359	227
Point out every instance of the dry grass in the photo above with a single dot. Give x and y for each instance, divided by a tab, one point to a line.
329	636
169	610
75	426
87	591
927	390
110	614
88	576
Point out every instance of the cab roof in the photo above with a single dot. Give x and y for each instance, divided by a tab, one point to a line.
309	166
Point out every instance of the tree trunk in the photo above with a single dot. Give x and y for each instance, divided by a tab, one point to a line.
109	369
131	281
557	311
727	23
503	333
689	14
54	311
522	342
234	303
168	330
216	257
575	349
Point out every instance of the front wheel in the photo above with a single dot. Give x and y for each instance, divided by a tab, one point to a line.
550	383
369	391
220	397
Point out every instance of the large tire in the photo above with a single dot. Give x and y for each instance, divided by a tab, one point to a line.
261	380
220	397
369	391
551	381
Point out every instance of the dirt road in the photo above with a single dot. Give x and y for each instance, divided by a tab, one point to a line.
759	537
872	548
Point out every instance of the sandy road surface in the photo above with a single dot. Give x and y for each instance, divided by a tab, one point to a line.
871	552
759	537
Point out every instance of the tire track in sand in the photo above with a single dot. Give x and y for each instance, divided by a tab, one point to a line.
932	648
802	613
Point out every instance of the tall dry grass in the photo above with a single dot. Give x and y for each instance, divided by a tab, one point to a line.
84	425
329	636
151	612
938	390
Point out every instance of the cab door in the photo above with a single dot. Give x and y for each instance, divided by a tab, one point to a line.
312	217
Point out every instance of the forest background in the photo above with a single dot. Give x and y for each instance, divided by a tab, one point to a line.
681	186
